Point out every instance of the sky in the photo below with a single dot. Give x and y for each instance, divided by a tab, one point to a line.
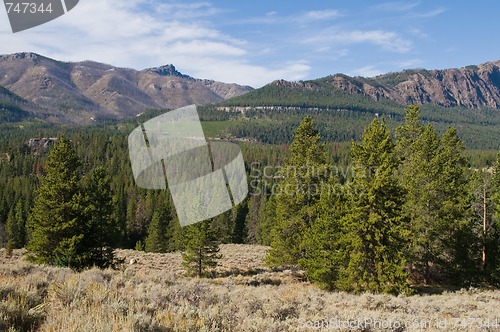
257	42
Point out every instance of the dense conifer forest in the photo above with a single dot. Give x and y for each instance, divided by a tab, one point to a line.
415	159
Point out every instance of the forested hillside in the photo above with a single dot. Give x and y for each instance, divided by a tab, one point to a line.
145	219
22	163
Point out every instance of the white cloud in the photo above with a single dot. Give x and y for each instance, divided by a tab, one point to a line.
318	15
186	11
254	74
367	71
410	63
130	34
388	40
432	13
400	6
418	33
273	18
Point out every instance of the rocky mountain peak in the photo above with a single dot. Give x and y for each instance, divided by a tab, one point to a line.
80	92
166	70
21	55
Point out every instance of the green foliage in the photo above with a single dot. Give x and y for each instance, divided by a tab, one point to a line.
15	228
54	227
267	220
240	229
201	249
303	176
433	169
433	175
375	231
491	239
323	255
100	229
158	238
70	226
11	113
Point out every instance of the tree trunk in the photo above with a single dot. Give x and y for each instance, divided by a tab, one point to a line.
485	222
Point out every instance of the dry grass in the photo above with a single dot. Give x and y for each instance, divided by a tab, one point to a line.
243	295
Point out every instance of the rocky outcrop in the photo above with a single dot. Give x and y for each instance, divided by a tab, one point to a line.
470	87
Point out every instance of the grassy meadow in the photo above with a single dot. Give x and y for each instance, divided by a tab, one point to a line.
152	294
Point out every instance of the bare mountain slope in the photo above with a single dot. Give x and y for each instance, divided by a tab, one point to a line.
76	92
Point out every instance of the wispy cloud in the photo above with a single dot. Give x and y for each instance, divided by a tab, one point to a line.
178	10
418	33
275	18
319	15
131	34
400	6
367	71
409	63
387	39
432	13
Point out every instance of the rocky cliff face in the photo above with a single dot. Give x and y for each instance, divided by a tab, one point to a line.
471	87
80	91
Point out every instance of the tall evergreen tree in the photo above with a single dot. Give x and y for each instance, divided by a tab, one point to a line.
323	257
158	232
240	229
55	230
375	232
485	227
462	265
15	227
70	225
434	178
267	219
408	132
201	249
491	231
100	227
303	177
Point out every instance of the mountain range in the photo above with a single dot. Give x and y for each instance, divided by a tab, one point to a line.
82	92
471	87
79	92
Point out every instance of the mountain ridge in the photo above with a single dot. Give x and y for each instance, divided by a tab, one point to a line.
77	92
81	92
472	87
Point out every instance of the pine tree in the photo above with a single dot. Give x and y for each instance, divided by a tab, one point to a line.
240	229
461	266
483	192
491	244
55	230
323	257
71	225
98	219
434	178
375	232
131	231
303	177
201	249
15	227
158	238
408	132
267	219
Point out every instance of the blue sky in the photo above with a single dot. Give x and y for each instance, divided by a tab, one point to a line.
256	42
